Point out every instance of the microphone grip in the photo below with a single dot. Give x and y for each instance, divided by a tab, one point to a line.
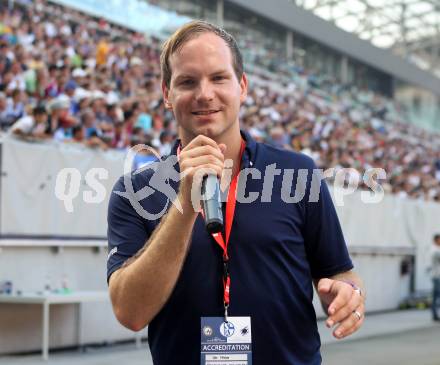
211	204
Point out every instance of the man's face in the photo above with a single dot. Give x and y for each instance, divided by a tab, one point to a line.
204	93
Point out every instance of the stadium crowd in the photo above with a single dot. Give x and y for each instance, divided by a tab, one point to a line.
68	77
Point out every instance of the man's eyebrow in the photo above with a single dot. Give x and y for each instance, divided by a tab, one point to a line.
220	72
184	76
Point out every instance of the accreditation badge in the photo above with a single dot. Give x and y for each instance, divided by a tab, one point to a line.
226	343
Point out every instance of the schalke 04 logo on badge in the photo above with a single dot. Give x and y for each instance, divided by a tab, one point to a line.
227	329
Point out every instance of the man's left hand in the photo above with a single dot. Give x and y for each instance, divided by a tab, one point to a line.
345	305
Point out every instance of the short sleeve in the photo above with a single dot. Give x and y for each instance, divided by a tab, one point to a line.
325	244
126	232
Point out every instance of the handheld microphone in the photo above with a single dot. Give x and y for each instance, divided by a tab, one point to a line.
211	204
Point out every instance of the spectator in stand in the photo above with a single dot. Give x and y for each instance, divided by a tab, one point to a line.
69	93
102	51
4	120
144	119
88	120
51	84
129	121
78	136
120	137
60	122
166	140
98	106
32	126
113	114
17	82
15	105
6	56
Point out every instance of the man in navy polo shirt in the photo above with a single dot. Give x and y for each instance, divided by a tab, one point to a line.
281	232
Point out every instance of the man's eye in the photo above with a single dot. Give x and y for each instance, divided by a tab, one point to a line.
219	78
187	82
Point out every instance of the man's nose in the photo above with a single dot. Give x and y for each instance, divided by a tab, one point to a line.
205	91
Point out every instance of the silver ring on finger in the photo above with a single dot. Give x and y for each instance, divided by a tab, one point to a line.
358	315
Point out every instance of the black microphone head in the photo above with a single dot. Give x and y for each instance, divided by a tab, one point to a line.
214	226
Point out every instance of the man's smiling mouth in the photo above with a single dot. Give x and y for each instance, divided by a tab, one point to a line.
204	112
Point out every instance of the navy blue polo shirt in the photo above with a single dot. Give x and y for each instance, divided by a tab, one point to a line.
276	248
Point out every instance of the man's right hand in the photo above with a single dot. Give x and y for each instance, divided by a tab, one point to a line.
200	157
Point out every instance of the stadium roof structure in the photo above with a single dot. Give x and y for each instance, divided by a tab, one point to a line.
409	28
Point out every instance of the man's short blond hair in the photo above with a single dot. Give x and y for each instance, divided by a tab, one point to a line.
190	31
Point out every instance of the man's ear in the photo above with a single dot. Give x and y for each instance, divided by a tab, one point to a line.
165	93
243	88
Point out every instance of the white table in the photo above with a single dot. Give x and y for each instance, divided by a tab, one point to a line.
46	300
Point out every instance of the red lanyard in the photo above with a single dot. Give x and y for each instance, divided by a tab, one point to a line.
223	243
218	237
